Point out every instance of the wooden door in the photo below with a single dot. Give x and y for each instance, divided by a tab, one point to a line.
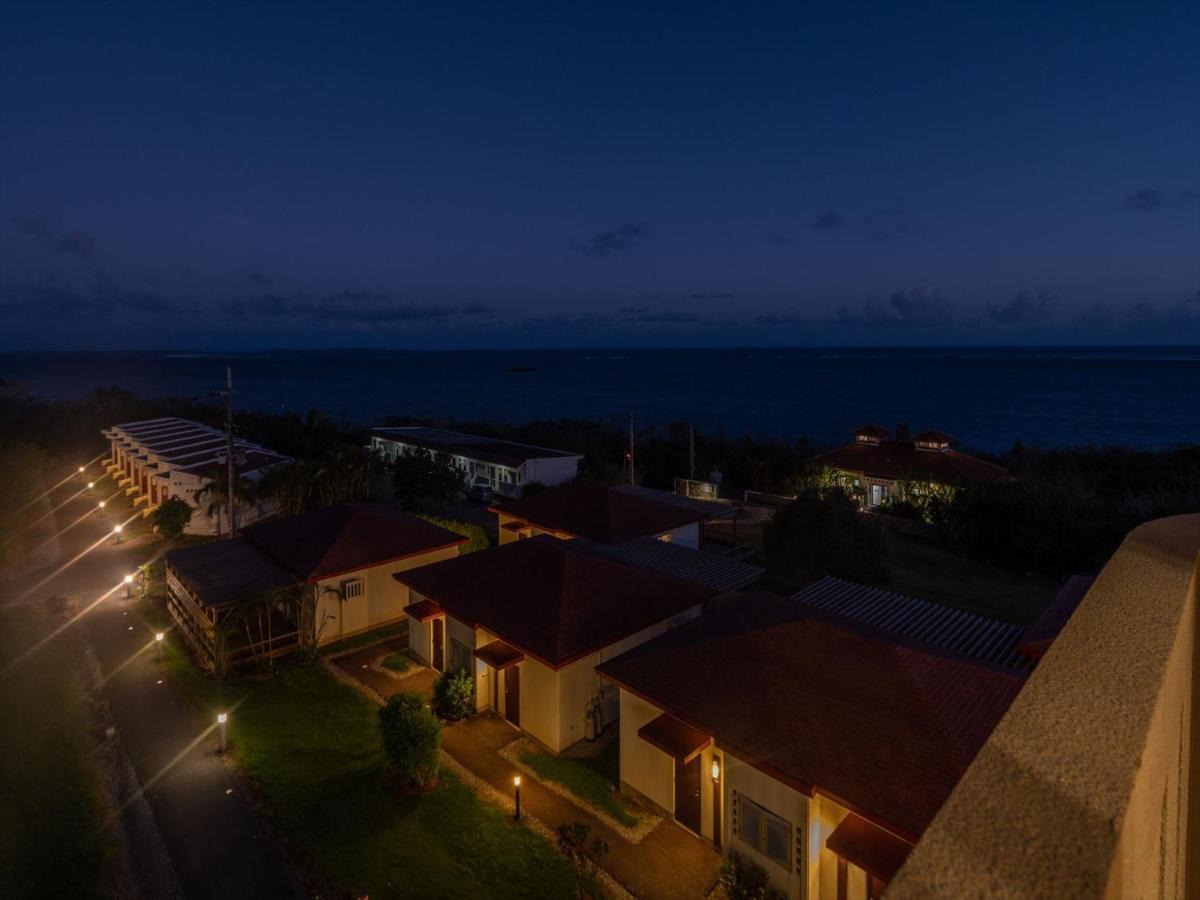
439	641
687	793
512	694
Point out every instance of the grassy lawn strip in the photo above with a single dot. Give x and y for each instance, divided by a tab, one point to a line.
400	629
399	661
589	779
310	746
52	838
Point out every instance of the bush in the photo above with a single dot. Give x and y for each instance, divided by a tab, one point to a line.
822	533
454	695
422	480
171	517
412	737
584	858
477	536
745	880
532	489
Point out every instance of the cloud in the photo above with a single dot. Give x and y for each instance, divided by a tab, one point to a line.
35	225
914	308
1154	200
725	296
789	317
258	278
828	220
881	215
626	237
1025	309
631	310
777	237
565	322
670	317
345	308
476	309
55	299
887	231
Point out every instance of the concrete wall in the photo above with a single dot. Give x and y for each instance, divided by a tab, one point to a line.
686	535
780	800
645	768
551	471
1084	787
420	640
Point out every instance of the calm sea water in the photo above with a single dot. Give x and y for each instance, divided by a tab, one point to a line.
988	398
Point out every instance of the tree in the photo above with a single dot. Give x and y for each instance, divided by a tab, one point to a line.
216	492
823	533
454	695
422	479
412	737
172	516
583	856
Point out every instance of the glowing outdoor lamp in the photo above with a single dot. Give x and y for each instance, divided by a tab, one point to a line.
221	719
101	504
517	798
81	470
116	534
716	769
158	639
91	484
128	586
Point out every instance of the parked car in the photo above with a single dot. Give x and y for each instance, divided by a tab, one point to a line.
480	491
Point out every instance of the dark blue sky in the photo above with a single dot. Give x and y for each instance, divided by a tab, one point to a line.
233	175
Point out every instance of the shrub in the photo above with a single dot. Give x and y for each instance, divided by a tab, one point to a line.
411	737
533	488
584	858
822	533
398	661
171	517
745	880
454	695
477	536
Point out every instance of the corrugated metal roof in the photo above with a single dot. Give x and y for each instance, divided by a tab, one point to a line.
712	509
708	569
988	640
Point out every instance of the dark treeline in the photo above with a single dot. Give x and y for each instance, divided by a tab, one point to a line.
1066	510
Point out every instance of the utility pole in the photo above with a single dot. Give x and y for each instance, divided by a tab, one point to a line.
691	452
631	448
231	462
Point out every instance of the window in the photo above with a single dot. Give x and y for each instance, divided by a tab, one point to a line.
355	587
460	656
764	831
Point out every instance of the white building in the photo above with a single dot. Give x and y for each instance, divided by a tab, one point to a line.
506	465
154	459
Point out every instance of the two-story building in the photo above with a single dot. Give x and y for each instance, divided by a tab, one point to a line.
505	466
154	459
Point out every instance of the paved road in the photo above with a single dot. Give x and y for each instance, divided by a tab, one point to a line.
217	843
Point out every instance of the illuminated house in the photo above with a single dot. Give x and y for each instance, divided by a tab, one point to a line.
608	515
882	466
531	620
506	465
313	579
159	458
814	744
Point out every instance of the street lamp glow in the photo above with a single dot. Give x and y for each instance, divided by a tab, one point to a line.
81	470
516	798
116	529
158	644
158	637
222	718
101	504
91	484
516	781
129	579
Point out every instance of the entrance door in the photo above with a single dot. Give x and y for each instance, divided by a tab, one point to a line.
687	793
439	640
512	694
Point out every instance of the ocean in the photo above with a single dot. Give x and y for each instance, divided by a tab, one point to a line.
987	398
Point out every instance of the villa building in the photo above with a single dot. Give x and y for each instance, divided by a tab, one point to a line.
159	458
817	746
317	577
881	465
532	620
506	466
608	515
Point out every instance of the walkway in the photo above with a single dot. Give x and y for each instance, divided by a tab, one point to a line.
217	843
668	863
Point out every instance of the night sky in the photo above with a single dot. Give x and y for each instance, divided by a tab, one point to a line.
242	175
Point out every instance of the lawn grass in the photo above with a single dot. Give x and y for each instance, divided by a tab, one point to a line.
922	569
309	746
399	661
400	629
52	837
591	779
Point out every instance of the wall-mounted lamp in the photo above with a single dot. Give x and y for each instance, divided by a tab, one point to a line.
716	769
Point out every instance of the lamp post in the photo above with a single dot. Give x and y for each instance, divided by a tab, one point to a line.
91	485
128	587
158	639
517	798
81	468
221	718
101	505
116	534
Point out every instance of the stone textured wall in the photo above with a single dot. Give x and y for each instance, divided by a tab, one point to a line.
1083	788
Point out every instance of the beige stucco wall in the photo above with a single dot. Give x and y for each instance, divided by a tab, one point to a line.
540	703
782	801
1083	788
686	535
644	768
420	640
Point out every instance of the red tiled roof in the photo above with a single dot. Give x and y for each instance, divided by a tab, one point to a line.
340	539
883	725
674	738
898	459
875	851
499	655
872	430
423	610
601	514
933	436
552	599
1041	634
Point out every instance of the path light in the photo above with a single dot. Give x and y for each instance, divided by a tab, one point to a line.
716	769
221	718
116	534
91	484
100	505
517	798
128	586
81	470
158	639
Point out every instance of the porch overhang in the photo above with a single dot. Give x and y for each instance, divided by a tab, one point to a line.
675	738
499	655
423	610
877	852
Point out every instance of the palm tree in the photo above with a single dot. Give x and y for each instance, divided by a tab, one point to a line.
216	492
